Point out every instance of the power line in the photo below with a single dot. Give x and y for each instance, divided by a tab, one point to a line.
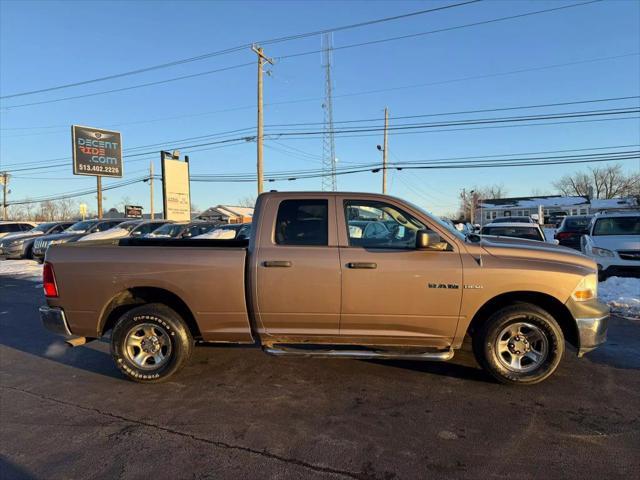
517	160
352	94
237	49
248	138
311	52
440	30
398	129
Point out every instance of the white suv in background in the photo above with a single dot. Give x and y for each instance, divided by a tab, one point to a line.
613	241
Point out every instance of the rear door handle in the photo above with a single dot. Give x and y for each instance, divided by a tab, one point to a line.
369	265
277	263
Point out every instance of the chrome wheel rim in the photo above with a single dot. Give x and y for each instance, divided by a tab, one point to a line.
522	347
147	346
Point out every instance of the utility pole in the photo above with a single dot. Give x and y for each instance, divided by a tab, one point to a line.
384	151
151	188
99	182
260	136
5	183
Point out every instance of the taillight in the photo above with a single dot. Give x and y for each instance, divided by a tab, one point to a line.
49	281
564	235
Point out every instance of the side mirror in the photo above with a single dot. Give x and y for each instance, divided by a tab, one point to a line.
556	242
426	239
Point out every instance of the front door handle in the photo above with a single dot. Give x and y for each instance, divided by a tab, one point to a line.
369	265
277	263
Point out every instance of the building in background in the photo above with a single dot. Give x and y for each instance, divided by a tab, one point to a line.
227	214
489	209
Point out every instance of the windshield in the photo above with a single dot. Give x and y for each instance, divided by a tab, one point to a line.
576	223
80	227
617	226
128	226
443	224
530	233
168	230
43	227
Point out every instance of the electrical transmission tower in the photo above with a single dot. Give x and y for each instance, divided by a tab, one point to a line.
328	137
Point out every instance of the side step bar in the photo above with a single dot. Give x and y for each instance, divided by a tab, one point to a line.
439	356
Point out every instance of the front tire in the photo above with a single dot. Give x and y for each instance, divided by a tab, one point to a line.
520	344
151	343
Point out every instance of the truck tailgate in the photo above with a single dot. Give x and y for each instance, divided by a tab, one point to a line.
209	280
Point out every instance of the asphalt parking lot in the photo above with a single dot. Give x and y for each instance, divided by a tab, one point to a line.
238	413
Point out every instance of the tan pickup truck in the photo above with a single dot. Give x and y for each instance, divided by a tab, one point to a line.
349	275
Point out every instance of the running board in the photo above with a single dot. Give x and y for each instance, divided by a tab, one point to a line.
438	356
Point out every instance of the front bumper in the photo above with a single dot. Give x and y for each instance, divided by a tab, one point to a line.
54	320
592	320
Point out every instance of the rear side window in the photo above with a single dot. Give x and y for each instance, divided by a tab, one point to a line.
11	227
302	222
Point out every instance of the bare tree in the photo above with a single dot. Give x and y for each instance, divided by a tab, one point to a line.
248	201
600	182
67	208
468	195
48	210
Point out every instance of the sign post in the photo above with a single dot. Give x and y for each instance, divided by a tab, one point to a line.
96	152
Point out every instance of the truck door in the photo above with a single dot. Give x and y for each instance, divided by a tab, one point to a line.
391	291
297	267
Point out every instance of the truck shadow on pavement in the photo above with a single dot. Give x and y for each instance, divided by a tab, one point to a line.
9	470
22	330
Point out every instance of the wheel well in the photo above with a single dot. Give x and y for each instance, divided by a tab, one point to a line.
550	304
133	297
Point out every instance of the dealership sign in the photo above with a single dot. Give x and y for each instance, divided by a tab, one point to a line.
96	152
176	189
132	211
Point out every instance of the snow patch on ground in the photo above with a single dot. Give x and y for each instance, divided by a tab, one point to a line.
22	269
621	294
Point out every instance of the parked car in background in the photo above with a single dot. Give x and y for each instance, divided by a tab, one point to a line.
571	230
183	229
71	234
613	241
303	286
513	220
556	218
235	231
18	246
129	228
8	228
528	231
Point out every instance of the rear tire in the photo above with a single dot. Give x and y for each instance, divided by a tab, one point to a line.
520	344
151	343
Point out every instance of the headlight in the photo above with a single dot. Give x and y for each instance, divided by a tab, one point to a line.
586	289
602	252
54	242
15	242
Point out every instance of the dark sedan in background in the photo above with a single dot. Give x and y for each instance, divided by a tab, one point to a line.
182	230
571	230
19	245
71	234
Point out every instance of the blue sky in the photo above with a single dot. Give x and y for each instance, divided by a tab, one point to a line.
44	44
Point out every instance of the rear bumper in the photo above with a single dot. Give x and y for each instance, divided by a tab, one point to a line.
592	321
53	319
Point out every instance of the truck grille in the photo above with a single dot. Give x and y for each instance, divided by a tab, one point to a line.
39	244
629	254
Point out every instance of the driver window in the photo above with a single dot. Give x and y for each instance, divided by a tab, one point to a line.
372	224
